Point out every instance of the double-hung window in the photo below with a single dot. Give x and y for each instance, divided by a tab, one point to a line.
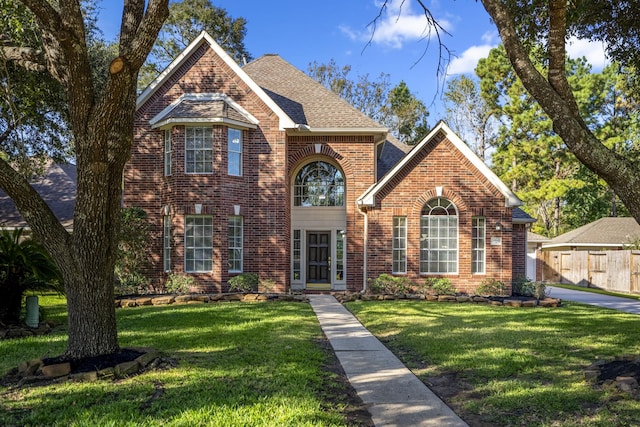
399	245
478	244
234	154
168	151
235	244
166	253
198	243
198	150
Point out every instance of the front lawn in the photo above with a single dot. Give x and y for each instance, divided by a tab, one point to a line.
239	364
504	366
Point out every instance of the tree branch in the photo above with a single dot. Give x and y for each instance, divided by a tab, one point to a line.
34	210
28	58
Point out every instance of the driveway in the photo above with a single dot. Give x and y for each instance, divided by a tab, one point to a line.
616	303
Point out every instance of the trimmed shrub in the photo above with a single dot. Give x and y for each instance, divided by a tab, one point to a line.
245	282
388	284
439	286
179	284
492	287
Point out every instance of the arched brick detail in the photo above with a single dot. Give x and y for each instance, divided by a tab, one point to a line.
309	151
416	209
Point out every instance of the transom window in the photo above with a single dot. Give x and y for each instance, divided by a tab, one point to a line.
439	237
198	154
319	184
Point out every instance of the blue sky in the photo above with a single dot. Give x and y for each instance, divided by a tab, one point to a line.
302	32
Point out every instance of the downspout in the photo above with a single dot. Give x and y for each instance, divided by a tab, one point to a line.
364	246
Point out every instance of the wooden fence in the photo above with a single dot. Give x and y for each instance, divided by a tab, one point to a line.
611	270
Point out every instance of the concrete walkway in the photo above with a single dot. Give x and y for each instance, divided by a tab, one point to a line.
392	393
615	303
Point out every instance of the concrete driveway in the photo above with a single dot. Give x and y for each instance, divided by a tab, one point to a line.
616	303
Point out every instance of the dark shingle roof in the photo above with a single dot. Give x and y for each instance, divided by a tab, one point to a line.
303	99
605	231
391	153
191	108
57	186
519	216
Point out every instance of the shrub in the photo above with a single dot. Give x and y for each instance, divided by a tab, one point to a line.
25	266
178	283
245	282
491	287
527	288
133	251
440	286
388	284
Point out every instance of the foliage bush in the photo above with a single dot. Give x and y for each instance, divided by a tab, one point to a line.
491	287
388	284
525	287
245	282
133	251
24	266
178	283
439	286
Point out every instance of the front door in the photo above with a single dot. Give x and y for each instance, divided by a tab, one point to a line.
318	256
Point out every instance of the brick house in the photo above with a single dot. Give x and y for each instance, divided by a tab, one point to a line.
261	169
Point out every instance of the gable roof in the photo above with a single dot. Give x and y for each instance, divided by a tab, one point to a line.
604	232
511	200
204	37
309	104
57	186
391	152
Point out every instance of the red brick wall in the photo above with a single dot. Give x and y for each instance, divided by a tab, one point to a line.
262	194
441	165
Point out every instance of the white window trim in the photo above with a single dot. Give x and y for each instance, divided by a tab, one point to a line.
395	249
241	144
427	273
484	246
186	129
186	248
168	153
241	247
166	253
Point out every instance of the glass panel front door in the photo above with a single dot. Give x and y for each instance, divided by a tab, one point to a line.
318	256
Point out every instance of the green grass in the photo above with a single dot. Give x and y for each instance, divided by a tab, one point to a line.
512	366
239	364
596	291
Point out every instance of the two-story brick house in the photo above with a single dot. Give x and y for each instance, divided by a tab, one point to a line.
261	169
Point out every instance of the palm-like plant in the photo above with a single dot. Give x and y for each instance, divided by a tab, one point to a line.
24	266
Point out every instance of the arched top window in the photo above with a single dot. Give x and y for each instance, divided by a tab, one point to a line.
439	206
439	237
319	184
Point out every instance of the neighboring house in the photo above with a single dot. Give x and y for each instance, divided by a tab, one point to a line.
534	245
609	233
594	255
57	186
261	169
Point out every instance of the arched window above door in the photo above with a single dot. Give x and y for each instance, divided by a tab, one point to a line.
318	184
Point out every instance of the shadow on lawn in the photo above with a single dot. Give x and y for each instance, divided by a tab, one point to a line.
238	364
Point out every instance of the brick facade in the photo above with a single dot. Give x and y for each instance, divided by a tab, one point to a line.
263	194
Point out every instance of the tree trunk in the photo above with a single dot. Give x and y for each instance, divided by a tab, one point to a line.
555	97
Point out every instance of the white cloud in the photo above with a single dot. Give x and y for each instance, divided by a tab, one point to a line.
593	51
398	24
467	62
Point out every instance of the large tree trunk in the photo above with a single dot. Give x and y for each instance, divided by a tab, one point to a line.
103	134
556	99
